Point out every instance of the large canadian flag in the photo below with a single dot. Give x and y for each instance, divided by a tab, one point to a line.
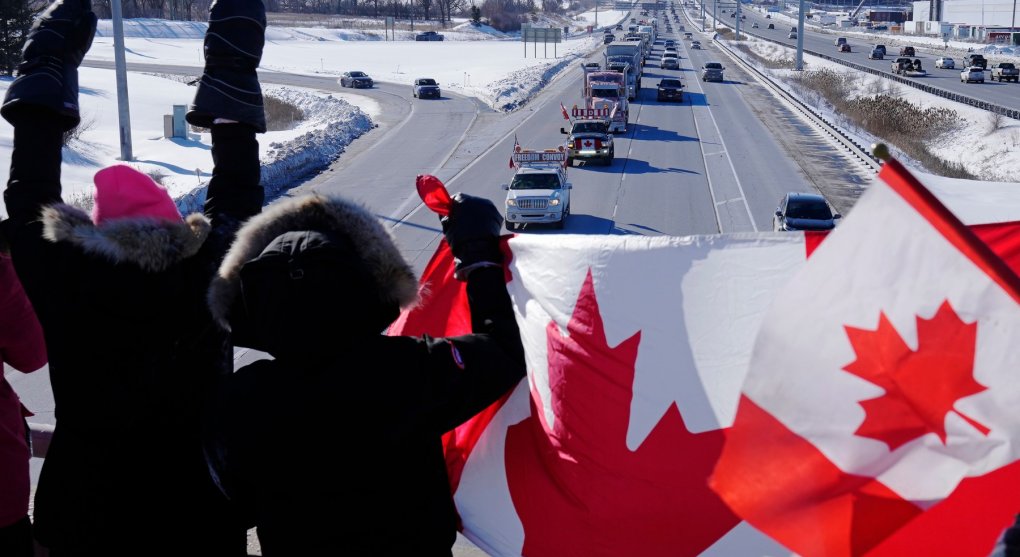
879	414
637	348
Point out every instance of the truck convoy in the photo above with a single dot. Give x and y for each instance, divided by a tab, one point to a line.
605	95
626	58
539	192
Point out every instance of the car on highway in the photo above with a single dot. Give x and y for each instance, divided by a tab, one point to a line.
695	45
844	48
669	62
428	36
670	43
619	27
803	211
876	54
840	41
608	39
768	16
754	25
945	63
356	80
772	26
973	74
670	89
671	50
882	48
976	60
538	193
426	87
733	15
712	71
792	35
907	51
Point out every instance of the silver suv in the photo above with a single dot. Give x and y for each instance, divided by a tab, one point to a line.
712	71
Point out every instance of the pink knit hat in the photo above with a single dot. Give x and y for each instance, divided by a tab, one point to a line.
122	192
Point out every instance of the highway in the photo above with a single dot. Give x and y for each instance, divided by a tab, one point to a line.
822	40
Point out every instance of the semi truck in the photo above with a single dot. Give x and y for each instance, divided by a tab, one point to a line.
605	96
626	58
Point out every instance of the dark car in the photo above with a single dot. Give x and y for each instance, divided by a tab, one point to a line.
428	36
670	90
426	87
357	80
907	51
670	43
619	27
803	211
845	47
772	25
882	48
608	39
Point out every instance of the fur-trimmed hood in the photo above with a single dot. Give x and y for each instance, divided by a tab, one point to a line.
152	244
372	242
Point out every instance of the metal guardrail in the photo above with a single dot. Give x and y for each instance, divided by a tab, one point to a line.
957	97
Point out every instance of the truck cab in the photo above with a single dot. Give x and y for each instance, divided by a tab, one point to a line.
539	191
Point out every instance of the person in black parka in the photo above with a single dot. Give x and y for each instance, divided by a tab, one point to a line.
334	447
121	296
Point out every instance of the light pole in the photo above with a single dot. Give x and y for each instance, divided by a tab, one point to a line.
800	37
123	110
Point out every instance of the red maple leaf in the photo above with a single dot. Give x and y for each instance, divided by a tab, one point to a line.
921	386
578	489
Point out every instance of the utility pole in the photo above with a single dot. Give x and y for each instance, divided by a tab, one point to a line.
702	16
597	13
715	10
736	16
123	110
800	37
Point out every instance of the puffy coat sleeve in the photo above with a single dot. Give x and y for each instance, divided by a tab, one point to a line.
468	373
21	337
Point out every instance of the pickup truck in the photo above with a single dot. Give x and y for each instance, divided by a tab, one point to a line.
900	64
976	60
590	139
1005	71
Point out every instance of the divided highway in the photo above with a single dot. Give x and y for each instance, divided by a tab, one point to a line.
815	40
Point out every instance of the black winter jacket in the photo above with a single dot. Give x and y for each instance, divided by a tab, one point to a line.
334	447
133	353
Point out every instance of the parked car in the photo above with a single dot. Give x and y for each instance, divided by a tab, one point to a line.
428	36
669	90
945	63
803	211
876	54
907	51
426	87
972	74
669	62
712	71
357	80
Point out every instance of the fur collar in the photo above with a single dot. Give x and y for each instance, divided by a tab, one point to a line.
151	244
373	241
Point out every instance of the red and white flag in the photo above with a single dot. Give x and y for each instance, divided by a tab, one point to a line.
563	109
637	349
878	416
516	147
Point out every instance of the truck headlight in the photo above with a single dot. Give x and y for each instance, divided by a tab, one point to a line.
554	202
511	202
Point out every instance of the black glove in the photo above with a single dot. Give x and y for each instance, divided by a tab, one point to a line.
472	231
65	30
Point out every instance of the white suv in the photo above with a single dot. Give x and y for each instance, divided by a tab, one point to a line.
538	194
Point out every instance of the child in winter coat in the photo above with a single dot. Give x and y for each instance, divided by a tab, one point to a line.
22	348
121	297
334	447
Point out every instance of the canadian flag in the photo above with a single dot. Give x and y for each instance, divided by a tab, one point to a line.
879	414
637	349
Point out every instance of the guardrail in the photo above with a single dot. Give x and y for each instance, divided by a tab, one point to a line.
957	97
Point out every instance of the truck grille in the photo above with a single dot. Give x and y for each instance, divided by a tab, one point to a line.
532	203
